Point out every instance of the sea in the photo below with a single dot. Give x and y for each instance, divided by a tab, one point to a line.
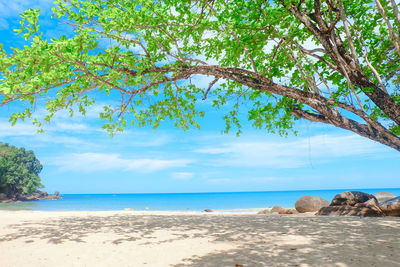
223	201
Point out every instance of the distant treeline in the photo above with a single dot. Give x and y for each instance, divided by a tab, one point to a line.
19	170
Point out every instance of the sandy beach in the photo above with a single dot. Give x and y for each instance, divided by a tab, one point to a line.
132	238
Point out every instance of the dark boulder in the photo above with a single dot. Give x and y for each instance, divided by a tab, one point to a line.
310	204
350	198
372	203
3	197
208	210
26	197
353	203
391	207
36	196
41	194
383	196
350	211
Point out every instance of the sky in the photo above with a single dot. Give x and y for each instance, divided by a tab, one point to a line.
79	157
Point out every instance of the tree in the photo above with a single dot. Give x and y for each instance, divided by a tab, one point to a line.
19	170
331	61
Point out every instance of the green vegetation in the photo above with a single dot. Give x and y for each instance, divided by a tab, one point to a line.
331	61
19	171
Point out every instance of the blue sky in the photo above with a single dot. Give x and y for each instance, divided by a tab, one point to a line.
79	157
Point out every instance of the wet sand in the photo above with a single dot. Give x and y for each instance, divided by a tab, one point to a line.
131	238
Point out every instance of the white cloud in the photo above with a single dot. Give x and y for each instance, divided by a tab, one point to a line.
321	148
182	175
69	126
95	162
55	134
45	139
28	129
19	129
71	132
143	138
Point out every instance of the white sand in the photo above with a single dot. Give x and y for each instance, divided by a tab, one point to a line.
131	238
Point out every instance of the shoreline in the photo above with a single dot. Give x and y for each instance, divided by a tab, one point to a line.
19	206
222	202
143	212
250	211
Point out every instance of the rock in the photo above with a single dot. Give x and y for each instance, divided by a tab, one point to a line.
280	210
264	212
350	211
353	203
277	209
26	197
36	196
391	207
41	193
9	198
288	211
383	196
56	195
292	211
350	198
310	203
372	203
208	210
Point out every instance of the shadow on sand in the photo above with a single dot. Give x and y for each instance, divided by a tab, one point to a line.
257	240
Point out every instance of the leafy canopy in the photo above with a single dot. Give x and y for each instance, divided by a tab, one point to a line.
332	61
19	170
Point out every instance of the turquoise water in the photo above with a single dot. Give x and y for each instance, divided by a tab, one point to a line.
181	201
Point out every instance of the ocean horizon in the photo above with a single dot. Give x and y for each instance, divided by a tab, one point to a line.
221	201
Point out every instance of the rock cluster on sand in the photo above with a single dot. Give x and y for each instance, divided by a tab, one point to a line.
350	198
362	204
353	203
383	196
310	204
35	196
391	207
278	210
